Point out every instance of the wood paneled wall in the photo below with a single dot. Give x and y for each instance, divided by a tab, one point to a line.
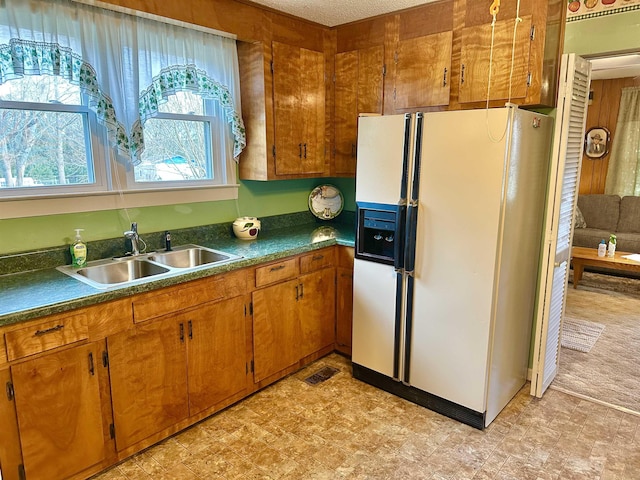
603	112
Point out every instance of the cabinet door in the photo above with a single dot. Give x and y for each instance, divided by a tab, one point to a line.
311	113
151	396
59	412
344	309
286	104
475	53
217	363
423	70
298	99
10	455
317	310
346	112
276	331
358	89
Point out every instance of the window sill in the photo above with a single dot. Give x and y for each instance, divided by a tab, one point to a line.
76	203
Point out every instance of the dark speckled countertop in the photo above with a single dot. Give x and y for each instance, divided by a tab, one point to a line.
24	296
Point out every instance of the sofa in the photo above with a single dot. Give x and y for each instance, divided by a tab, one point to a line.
598	216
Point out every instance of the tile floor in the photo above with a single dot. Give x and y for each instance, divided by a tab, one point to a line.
345	429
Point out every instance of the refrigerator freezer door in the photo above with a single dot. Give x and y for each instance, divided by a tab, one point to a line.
458	225
374	308
381	145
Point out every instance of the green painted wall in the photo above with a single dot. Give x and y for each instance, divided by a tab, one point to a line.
609	34
258	199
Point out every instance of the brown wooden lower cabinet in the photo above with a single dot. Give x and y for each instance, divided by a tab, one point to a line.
276	330
140	382
58	407
147	366
344	309
291	321
184	364
316	311
10	454
217	365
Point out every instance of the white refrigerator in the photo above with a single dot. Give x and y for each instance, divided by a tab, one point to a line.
450	209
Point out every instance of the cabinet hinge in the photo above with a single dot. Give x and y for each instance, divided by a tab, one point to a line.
334	78
112	431
395	57
250	308
105	359
529	79
384	70
21	474
271	64
532	33
10	393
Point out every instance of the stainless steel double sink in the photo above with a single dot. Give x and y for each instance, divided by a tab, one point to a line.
125	271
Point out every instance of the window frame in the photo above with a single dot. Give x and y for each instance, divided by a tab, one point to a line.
95	143
214	118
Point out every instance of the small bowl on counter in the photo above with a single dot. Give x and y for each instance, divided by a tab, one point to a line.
246	228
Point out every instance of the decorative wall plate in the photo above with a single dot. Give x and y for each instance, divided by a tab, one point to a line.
326	202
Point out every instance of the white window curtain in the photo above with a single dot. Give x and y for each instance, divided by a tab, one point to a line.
127	65
623	173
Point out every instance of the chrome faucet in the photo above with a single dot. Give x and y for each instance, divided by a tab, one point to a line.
134	237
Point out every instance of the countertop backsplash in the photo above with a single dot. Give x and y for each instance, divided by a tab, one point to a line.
115	247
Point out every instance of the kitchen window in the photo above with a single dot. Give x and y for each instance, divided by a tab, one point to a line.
45	141
94	101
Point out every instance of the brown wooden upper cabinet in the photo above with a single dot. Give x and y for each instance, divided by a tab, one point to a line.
422	57
298	99
423	72
283	107
359	76
524	57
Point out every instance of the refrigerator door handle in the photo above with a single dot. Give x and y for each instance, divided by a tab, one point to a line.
399	239
410	245
397	330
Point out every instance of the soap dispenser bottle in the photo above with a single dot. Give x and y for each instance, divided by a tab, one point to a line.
602	248
78	250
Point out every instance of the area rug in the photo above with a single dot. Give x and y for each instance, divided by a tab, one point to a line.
611	283
580	335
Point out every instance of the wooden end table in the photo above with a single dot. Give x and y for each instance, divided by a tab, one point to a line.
583	257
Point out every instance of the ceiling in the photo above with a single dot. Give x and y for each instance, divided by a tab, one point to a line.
620	66
337	12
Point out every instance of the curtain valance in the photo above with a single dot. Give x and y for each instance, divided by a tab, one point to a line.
125	64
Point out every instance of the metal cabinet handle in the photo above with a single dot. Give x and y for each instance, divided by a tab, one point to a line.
275	269
301	290
297	292
92	369
317	257
10	393
444	77
190	330
182	332
353	150
305	150
462	74
300	147
39	333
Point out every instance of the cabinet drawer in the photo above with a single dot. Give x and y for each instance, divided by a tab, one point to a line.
276	272
316	260
59	331
173	299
